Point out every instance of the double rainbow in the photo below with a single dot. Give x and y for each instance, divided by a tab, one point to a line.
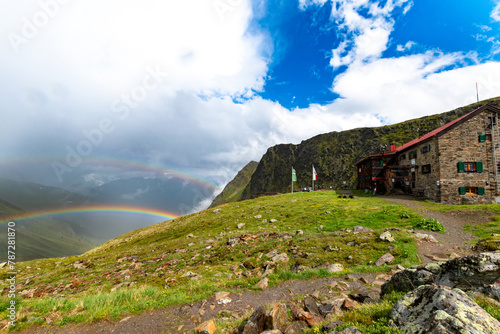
92	209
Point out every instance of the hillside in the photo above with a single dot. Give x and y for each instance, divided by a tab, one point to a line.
334	154
41	238
233	190
230	248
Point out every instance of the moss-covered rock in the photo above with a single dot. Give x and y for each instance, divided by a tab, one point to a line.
429	309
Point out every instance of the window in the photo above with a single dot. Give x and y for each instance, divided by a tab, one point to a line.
492	120
412	155
382	163
402	157
485	138
471	191
425	149
426	169
470	167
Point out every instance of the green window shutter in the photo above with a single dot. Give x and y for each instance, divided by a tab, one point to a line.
480	191
479	167
381	162
461	167
461	190
482	138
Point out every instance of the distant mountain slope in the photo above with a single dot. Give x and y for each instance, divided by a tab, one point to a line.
168	194
40	238
233	190
335	154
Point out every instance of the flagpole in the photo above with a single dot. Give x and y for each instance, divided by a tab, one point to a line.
313	177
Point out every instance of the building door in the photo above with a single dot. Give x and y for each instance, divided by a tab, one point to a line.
413	177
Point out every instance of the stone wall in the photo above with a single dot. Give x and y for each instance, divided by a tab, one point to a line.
425	183
461	144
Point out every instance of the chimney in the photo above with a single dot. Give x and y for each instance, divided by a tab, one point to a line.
393	148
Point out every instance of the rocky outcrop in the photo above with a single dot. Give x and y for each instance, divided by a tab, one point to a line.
434	310
480	272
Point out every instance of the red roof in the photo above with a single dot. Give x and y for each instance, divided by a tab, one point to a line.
439	130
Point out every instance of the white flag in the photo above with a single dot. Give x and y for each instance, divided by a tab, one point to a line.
315	175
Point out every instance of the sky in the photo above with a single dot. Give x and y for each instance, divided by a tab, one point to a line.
94	91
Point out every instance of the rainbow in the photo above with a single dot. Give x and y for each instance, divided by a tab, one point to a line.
128	165
92	209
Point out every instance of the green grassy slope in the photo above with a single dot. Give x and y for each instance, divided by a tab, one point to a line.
233	190
196	245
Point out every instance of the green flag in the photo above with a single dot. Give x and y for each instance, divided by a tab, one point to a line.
294	176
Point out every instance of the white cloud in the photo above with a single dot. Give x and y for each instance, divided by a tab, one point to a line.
495	14
366	36
406	47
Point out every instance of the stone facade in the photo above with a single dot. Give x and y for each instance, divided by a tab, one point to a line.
453	164
462	144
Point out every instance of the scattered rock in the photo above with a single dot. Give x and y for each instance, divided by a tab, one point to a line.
360	229
429	309
311	306
281	258
349	304
387	236
295	327
299	232
216	211
387	258
335	268
208	327
272	253
263	283
273	221
349	330
331	326
241	225
233	241
256	322
277	317
426	237
258	217
190	235
300	314
221	295
325	310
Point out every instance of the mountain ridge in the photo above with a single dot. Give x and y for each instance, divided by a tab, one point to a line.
334	154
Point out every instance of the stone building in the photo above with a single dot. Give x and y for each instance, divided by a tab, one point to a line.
458	162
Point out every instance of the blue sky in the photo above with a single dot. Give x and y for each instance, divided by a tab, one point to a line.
205	86
300	71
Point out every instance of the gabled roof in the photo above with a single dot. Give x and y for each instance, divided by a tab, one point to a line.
446	127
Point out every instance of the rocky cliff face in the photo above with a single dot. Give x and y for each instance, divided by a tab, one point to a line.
334	154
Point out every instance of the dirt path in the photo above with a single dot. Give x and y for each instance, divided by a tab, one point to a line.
454	242
183	319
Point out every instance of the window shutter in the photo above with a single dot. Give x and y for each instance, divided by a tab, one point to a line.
479	167
482	138
461	190
480	191
429	148
461	167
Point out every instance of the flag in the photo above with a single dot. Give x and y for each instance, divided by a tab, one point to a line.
315	175
294	176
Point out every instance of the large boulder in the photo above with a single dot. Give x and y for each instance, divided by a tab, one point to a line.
479	272
434	310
